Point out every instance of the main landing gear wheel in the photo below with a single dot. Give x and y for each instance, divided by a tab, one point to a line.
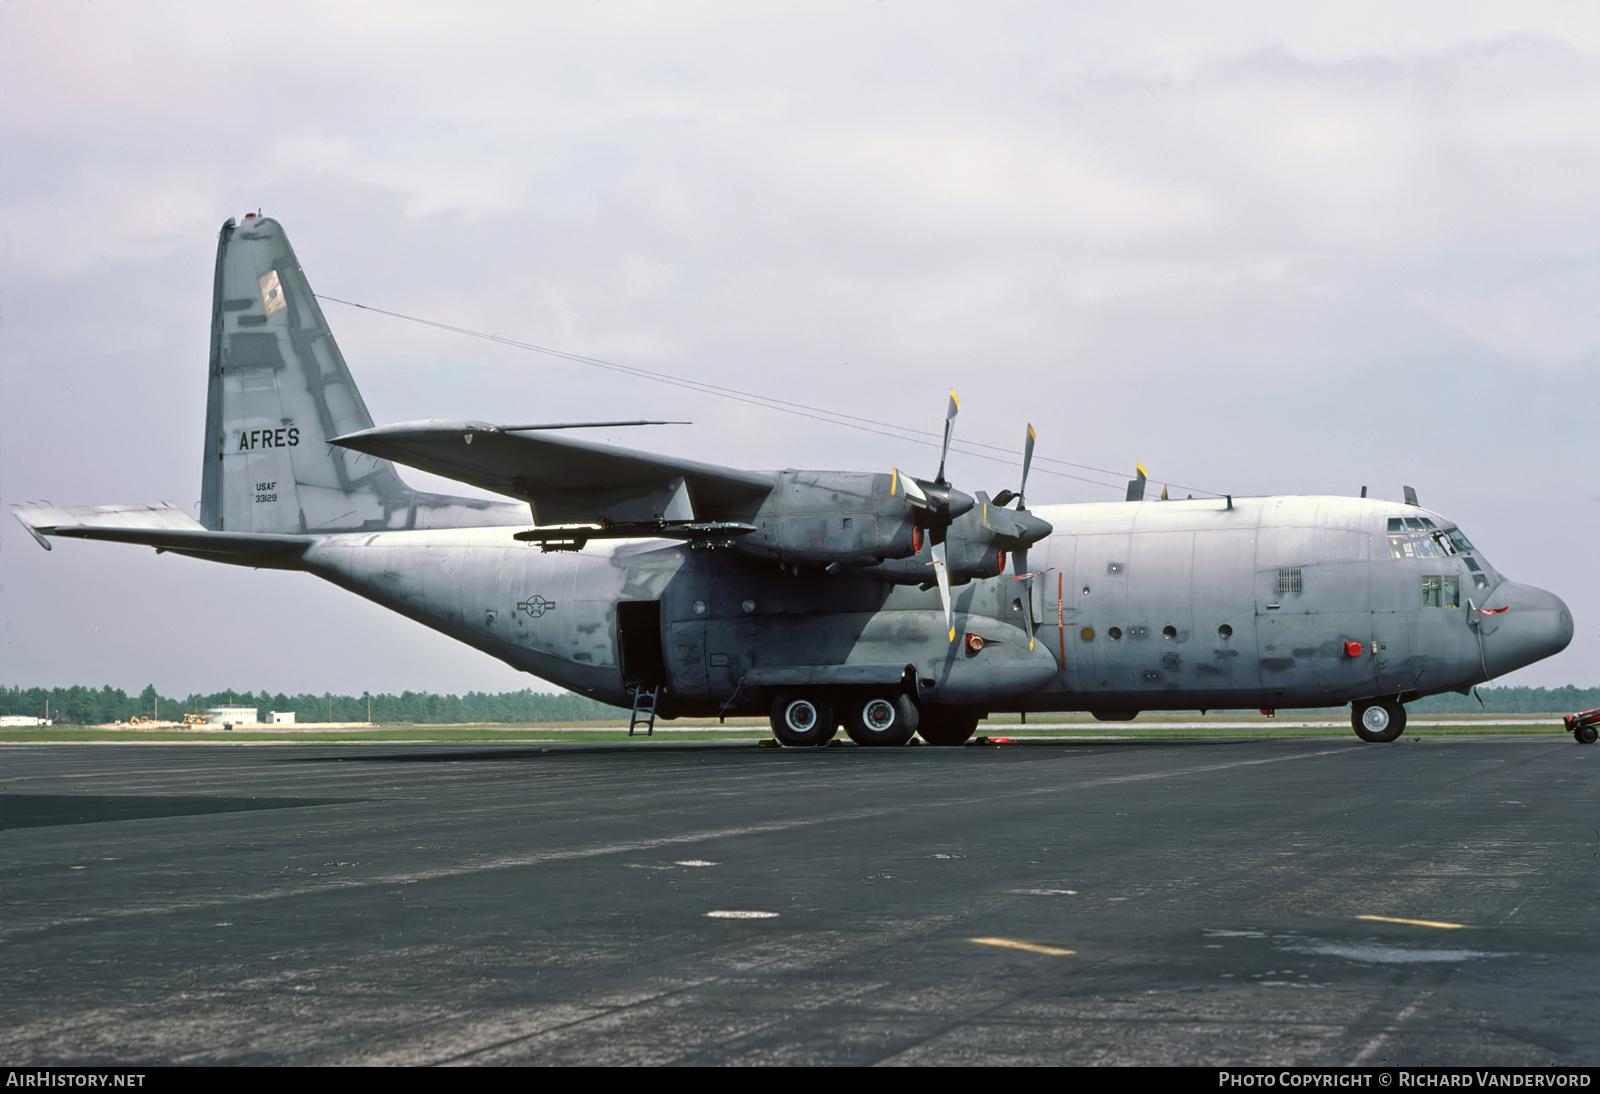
1378	721
800	720
1585	735
881	720
948	727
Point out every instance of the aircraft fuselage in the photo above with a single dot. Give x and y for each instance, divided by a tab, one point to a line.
1290	601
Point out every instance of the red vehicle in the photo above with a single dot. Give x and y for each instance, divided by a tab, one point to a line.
1583	725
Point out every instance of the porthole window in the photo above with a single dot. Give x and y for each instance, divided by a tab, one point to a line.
1224	632
749	606
1086	590
1169	633
1115	634
699	607
1087	634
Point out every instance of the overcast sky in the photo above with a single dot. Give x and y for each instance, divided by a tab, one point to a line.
1262	248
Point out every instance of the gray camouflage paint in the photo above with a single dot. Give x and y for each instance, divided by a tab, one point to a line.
1132	606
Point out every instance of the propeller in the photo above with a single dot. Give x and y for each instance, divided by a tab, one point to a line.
934	506
1028	535
1017	527
1005	497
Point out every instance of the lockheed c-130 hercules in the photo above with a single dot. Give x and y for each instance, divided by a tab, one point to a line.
891	604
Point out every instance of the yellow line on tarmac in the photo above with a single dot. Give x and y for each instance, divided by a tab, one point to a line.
1031	947
1414	922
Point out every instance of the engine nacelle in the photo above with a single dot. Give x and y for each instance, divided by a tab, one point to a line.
970	559
822	518
977	545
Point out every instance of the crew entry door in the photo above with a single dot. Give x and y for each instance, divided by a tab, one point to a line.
639	643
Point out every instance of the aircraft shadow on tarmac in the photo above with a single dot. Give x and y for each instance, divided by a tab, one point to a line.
626	753
50	810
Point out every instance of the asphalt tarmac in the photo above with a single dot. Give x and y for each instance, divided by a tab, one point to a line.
1172	902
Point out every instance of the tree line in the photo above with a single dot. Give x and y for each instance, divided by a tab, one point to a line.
86	706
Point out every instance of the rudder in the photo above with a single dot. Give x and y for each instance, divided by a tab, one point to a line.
279	388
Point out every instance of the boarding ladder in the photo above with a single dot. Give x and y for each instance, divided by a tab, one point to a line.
644	709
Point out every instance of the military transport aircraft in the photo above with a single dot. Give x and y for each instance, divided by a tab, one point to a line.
893	604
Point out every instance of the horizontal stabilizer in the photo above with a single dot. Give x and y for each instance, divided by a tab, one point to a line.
164	527
41	518
566	480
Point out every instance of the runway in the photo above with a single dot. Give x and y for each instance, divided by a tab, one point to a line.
1156	902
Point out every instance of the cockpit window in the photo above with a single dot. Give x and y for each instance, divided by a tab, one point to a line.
1419	537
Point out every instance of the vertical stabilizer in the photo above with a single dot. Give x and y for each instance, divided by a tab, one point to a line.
279	388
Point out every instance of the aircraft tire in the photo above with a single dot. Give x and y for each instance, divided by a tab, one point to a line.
1378	721
800	721
881	721
948	728
1586	735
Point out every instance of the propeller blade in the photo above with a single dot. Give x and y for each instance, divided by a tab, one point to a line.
913	491
949	425
1027	462
942	572
1006	497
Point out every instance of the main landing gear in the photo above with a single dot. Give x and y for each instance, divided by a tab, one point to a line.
949	727
872	719
799	720
881	720
1378	721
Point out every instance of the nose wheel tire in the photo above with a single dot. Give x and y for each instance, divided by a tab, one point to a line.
1378	721
800	720
1585	735
881	720
948	727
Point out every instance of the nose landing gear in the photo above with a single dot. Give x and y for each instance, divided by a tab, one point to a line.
1378	721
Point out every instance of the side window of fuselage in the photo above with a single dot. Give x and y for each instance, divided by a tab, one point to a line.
1441	591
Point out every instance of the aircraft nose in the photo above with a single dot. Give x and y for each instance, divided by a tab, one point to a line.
1536	625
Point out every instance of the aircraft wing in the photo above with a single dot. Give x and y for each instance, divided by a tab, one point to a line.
565	480
164	527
